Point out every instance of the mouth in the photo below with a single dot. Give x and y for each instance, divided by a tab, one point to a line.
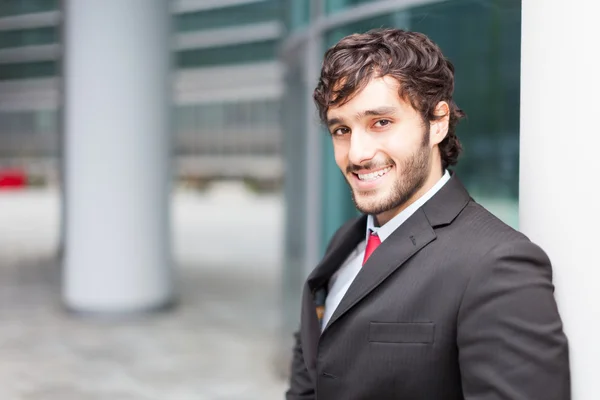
366	180
374	175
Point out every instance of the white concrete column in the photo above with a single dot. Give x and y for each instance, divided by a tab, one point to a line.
118	93
560	177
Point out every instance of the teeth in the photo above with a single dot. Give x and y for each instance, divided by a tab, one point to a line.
373	175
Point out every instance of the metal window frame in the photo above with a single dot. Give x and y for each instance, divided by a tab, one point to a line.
30	21
188	6
326	22
256	32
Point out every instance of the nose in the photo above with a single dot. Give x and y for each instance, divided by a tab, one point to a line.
362	147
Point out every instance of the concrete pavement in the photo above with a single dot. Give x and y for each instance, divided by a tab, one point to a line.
219	342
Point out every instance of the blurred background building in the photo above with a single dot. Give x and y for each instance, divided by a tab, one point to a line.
226	94
242	111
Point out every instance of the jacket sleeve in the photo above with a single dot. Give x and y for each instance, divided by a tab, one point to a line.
301	386
510	336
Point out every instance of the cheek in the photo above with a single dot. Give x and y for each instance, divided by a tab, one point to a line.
402	146
340	153
397	150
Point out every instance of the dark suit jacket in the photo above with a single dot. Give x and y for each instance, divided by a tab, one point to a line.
453	305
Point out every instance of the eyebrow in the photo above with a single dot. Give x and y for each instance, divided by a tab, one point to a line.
376	112
334	121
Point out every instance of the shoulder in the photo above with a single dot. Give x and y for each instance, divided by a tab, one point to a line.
491	243
477	227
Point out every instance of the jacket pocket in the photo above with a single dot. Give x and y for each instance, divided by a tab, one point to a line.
401	332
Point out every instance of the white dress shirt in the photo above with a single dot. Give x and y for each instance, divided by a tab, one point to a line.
343	277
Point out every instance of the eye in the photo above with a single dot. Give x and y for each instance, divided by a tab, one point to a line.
340	131
382	122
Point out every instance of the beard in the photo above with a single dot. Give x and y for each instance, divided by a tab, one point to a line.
412	173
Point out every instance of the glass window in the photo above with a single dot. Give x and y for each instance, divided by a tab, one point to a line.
28	133
262	11
381	21
46	121
483	40
17	7
28	70
234	54
297	14
333	6
293	114
28	37
244	127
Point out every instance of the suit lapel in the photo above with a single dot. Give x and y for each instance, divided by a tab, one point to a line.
409	238
341	247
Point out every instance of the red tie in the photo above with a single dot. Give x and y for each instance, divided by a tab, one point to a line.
372	244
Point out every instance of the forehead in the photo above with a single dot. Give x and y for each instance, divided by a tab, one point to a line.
378	92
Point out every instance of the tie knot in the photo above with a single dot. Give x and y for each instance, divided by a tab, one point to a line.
372	243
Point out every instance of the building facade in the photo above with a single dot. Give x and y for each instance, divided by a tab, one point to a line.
227	85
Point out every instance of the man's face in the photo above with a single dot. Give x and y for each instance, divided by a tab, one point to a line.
382	147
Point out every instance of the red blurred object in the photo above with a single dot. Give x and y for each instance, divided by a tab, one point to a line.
12	178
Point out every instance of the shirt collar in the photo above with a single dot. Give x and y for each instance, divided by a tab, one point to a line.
387	229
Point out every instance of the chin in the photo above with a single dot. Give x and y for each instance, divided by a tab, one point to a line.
369	202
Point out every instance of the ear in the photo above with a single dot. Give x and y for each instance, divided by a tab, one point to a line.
438	128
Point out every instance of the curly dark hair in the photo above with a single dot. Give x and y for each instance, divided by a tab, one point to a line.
426	77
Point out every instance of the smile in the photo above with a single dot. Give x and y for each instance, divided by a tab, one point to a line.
371	176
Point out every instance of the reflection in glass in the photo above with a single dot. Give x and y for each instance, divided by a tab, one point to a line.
228	55
230	16
333	6
296	14
28	37
12	7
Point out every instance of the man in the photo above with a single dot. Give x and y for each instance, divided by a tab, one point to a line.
427	296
